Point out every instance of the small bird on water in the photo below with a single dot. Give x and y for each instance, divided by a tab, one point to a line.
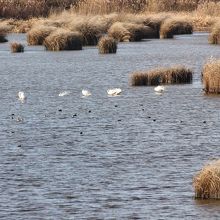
114	92
86	92
21	96
159	89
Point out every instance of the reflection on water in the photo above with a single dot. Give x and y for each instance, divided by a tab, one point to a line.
127	157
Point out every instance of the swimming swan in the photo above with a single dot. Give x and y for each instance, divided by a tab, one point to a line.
159	89
64	93
86	92
114	92
21	96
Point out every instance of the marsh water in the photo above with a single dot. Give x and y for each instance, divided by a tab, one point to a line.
131	156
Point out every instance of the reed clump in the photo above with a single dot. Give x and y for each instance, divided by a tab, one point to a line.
37	34
125	32
155	21
90	29
107	45
174	26
4	29
17	47
214	37
207	182
62	39
211	77
171	75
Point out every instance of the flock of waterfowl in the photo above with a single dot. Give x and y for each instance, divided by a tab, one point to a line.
111	92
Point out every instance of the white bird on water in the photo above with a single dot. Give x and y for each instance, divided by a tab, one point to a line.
159	89
21	97
114	92
64	93
86	92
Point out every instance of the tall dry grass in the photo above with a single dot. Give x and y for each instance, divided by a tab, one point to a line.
17	47
24	9
62	39
107	45
174	26
37	35
211	77
214	37
207	182
4	29
109	6
171	75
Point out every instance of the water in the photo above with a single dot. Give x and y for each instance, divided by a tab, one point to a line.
127	157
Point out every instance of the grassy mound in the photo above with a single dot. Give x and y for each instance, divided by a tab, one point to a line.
37	34
63	40
4	29
211	77
107	45
207	182
124	32
155	21
16	47
174	26
172	75
214	37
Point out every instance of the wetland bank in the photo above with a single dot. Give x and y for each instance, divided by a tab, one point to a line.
132	156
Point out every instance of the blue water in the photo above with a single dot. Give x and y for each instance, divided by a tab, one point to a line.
127	157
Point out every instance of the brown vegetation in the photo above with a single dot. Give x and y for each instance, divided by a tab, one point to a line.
4	29
17	47
62	39
107	45
130	31
211	77
174	26
172	75
214	37
37	35
207	182
24	9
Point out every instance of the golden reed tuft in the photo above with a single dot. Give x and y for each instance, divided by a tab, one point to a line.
17	47
171	75
107	45
211	77
62	39
207	181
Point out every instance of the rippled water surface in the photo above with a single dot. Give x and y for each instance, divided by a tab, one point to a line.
127	157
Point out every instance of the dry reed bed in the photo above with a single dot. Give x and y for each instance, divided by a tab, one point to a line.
37	35
107	45
214	37
174	26
207	182
169	75
211	77
4	29
124	32
17	47
62	39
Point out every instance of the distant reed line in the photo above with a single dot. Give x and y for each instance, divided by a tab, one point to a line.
21	9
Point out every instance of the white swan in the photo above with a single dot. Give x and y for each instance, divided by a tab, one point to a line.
114	92
64	93
21	96
159	89
86	92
